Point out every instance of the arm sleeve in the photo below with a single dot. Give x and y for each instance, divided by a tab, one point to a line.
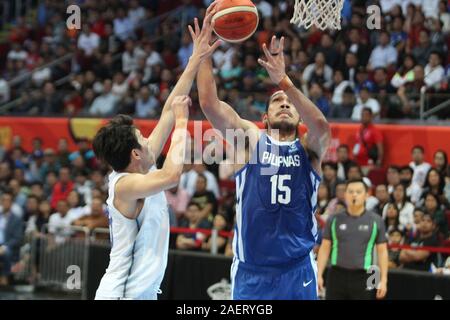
381	232
327	229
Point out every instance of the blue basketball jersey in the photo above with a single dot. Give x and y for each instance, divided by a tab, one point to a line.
276	199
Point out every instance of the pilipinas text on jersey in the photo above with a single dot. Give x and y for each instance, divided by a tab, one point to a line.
276	199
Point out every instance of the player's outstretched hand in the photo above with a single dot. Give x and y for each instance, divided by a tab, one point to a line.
274	63
180	107
202	38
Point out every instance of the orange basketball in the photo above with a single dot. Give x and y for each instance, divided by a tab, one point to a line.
235	20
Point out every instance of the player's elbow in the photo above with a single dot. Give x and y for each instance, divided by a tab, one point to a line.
206	101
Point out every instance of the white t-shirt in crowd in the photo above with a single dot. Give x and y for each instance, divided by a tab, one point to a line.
420	172
188	182
370	103
88	42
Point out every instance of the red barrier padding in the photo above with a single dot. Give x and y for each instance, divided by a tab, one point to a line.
398	139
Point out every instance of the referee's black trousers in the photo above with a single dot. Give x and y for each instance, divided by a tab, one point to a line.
346	284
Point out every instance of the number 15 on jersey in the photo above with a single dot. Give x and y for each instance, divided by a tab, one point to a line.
280	192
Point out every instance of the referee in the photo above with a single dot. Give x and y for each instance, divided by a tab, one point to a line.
350	236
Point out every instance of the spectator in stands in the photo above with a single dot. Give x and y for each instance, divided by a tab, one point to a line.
50	163
424	48
323	198
419	166
193	220
88	42
13	207
421	259
350	67
37	221
384	55
220	223
5	174
153	57
185	51
339	87
205	199
178	199
319	71
136	13
382	85
188	180
397	35
418	215
130	57
412	190
356	46
382	195
264	8
434	183
60	221
333	205
17	53
146	105
433	208
364	101
392	177
4	91
406	208
94	217
440	162
11	234
395	237
41	74
106	68
83	186
19	191
50	103
317	96
63	187
343	161
392	218
405	73
123	26
231	77
63	152
104	104
329	176
120	86
31	207
434	72
76	210
368	149
444	16
327	47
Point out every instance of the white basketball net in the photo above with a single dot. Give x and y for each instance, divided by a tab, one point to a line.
324	14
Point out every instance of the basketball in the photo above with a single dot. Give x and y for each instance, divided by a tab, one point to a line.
235	20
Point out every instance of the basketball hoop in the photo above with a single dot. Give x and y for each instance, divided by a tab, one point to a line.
324	14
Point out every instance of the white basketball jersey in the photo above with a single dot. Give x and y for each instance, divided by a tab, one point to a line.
139	248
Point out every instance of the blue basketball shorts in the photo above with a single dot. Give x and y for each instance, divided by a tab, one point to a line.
295	281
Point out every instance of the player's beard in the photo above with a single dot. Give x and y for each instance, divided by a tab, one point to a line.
284	127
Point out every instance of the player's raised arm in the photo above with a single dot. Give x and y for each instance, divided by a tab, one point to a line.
221	115
201	51
138	186
319	134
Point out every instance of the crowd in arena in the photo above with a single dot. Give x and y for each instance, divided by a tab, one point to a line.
127	58
128	55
